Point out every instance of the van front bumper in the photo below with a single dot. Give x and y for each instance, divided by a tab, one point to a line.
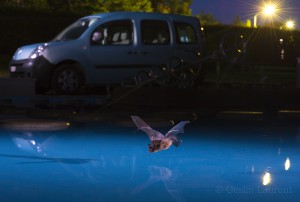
39	68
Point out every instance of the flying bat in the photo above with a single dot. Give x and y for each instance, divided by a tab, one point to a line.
159	141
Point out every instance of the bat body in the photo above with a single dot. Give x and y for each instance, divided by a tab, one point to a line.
159	141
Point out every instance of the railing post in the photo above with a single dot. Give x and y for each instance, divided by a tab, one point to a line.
298	72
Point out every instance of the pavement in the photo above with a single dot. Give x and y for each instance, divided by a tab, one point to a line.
17	87
19	100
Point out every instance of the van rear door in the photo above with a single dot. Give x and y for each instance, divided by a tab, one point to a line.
155	42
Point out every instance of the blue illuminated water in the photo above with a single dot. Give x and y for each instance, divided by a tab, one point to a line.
101	162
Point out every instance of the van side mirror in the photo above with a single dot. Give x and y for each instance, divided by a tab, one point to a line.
97	37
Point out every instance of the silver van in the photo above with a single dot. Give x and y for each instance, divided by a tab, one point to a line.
108	48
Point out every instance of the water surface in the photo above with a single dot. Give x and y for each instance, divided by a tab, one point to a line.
110	162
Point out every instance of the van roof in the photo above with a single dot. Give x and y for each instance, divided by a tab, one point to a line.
140	14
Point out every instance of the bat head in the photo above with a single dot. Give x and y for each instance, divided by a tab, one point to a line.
154	146
151	148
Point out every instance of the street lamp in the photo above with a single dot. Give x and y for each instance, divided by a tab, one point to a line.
290	24
267	10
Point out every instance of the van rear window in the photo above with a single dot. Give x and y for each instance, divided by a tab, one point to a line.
155	32
185	33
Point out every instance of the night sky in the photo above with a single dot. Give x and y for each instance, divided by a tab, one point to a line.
225	11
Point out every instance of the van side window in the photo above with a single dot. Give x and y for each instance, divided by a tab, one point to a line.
113	33
185	33
155	32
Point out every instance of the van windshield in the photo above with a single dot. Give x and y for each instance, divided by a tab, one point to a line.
75	30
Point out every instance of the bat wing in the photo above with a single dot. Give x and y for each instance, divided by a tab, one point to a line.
172	134
141	125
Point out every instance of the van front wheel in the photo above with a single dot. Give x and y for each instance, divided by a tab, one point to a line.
67	79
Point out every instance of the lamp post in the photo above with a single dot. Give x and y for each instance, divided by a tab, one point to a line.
255	21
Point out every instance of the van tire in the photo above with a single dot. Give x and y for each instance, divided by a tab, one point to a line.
67	79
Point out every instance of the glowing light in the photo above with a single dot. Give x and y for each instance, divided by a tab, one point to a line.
266	178
33	56
269	9
287	164
290	24
68	123
269	12
32	142
37	52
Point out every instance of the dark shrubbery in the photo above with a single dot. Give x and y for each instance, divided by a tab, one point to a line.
264	46
21	27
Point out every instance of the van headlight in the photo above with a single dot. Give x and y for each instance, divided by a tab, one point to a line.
37	52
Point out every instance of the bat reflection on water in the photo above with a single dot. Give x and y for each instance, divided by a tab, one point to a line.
159	141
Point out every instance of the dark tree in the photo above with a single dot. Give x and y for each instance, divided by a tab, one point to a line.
207	19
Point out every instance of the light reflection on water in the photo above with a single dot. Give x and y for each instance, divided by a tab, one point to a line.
113	163
287	164
266	178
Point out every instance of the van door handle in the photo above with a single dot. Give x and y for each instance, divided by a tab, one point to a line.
131	52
